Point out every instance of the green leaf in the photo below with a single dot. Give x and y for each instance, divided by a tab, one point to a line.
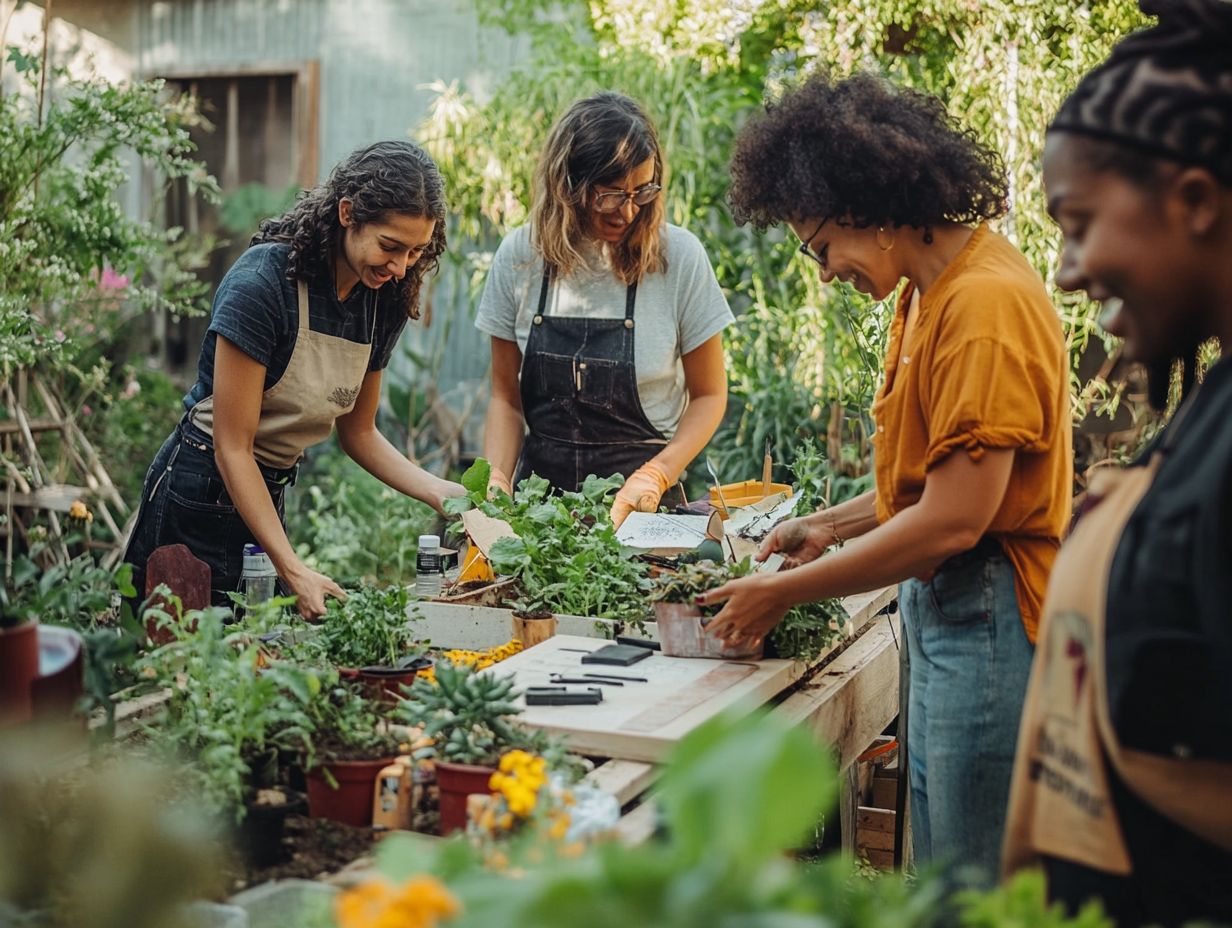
476	477
456	505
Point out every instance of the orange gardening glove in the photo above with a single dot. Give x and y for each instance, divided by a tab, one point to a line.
641	492
498	481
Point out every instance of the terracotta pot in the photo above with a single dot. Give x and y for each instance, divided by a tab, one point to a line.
260	834
19	666
455	782
351	802
384	684
682	634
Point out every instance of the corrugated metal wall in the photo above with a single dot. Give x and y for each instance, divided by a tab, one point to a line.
375	56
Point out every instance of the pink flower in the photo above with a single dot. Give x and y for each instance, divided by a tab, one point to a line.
59	335
86	410
113	281
131	389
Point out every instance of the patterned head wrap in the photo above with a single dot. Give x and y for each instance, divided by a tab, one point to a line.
1165	91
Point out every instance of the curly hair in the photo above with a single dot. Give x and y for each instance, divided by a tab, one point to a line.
383	178
863	150
598	141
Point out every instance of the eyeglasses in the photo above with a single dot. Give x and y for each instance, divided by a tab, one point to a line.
805	248
614	200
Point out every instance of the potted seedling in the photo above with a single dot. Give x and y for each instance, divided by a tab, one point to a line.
368	638
228	716
469	717
682	623
351	745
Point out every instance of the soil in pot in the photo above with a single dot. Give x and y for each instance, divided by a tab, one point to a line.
19	666
683	634
351	801
260	834
455	782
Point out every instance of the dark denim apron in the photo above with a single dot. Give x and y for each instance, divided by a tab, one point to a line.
580	398
184	501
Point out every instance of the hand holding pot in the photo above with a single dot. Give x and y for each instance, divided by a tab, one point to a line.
753	608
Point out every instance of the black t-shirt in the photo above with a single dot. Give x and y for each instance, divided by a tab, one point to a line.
257	308
1169	665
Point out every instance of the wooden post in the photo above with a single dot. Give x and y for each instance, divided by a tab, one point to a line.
533	630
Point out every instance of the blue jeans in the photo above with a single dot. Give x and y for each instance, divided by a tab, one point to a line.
969	659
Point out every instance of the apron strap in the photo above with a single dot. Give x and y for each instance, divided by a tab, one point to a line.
303	304
549	272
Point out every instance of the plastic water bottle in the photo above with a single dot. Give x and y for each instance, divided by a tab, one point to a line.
428	573
259	580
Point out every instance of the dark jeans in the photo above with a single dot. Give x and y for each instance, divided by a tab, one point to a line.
184	501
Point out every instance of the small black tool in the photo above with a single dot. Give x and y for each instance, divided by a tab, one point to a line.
613	676
622	655
585	678
563	696
638	642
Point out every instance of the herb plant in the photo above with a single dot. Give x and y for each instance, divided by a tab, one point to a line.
566	556
369	629
227	712
685	583
346	726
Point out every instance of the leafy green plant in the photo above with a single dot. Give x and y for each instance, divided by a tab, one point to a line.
687	581
346	726
73	265
468	715
369	629
226	711
566	557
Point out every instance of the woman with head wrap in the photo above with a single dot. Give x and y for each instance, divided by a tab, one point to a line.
1123	782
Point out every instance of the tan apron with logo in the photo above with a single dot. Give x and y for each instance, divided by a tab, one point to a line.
322	381
1060	804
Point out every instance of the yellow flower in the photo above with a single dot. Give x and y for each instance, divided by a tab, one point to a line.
420	902
80	512
559	827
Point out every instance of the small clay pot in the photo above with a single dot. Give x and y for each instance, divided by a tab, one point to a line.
455	782
384	684
19	667
682	633
351	802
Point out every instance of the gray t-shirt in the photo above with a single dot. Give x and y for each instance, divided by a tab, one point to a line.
677	310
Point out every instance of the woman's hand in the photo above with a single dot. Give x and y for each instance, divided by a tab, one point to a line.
441	490
754	607
799	540
310	589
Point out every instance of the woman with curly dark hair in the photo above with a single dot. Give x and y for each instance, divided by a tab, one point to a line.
303	325
972	444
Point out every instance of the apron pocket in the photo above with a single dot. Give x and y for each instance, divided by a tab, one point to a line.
556	375
598	379
962	595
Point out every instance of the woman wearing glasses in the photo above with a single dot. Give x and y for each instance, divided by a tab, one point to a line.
972	444
605	320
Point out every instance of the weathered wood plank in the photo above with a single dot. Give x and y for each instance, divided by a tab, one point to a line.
624	779
851	701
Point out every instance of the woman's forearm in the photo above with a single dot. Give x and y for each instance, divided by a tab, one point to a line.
697	426
503	433
373	452
251	497
850	518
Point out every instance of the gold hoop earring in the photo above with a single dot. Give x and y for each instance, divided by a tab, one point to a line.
880	244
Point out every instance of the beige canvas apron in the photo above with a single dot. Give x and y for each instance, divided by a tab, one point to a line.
1060	805
322	381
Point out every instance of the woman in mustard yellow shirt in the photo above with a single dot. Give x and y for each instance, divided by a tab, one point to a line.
972	445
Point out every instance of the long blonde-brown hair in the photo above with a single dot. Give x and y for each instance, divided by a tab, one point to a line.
598	141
